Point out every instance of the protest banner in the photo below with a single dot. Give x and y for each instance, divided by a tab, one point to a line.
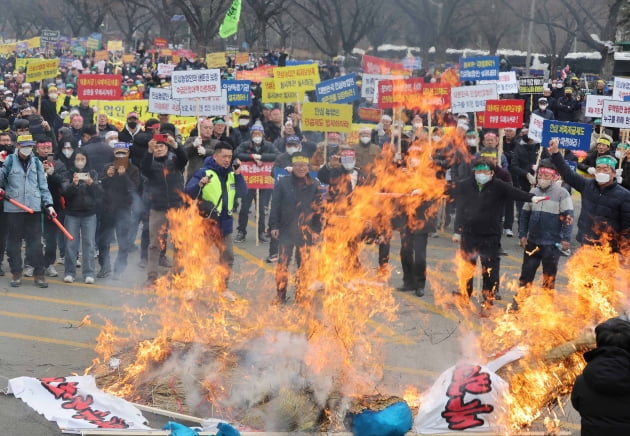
101	55
166	69
99	86
160	102
472	98
166	52
241	58
65	61
127	58
326	117
374	65
40	69
115	45
298	78
368	84
257	74
7	48
257	176
48	37
238	92
34	42
435	96
479	68
400	93
340	90
616	114
621	88
271	95
530	85
507	83
595	105
370	114
504	113
215	60
160	42
571	136
208	106
536	128
196	83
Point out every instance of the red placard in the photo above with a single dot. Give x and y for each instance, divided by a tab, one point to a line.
257	176
400	93
160	42
99	87
436	96
257	74
370	114
501	114
374	65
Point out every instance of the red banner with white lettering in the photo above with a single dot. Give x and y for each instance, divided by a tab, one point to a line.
99	87
436	96
405	93
257	176
374	65
501	114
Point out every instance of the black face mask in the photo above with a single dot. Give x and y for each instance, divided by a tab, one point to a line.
132	124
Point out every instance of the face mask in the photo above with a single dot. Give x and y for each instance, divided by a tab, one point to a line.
58	82
471	142
257	139
291	150
132	124
26	151
544	183
482	179
414	162
67	153
618	154
79	164
542	107
243	122
53	96
120	155
112	142
602	178
365	140
349	166
559	86
436	138
26	91
417	125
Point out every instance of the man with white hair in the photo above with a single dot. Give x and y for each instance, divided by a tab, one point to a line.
383	131
111	138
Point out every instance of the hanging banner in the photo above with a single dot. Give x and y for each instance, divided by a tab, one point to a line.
479	68
196	83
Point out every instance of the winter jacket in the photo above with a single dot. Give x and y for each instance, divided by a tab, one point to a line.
523	161
295	207
601	394
83	200
545	223
119	190
98	154
602	209
25	183
165	178
267	151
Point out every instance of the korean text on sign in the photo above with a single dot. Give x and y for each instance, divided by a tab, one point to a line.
571	136
479	68
504	113
340	90
325	117
99	87
196	83
616	114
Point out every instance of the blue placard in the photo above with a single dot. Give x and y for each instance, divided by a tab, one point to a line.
479	68
293	62
340	90
238	92
572	136
279	173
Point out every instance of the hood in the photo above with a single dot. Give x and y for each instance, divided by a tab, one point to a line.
608	370
210	164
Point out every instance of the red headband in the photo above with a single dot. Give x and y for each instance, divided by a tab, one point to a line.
549	171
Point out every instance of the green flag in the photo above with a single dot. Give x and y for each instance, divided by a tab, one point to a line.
230	23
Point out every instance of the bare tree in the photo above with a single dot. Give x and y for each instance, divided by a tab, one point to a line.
264	11
204	18
130	16
558	36
85	14
493	21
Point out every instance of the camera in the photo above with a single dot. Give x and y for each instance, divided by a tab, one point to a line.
160	137
83	176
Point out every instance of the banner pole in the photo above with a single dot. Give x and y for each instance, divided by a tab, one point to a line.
257	217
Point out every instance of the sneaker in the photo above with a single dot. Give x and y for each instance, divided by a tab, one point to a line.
51	271
16	281
240	237
165	262
78	263
102	274
68	279
508	233
40	282
142	263
28	271
271	259
420	292
263	238
89	280
60	261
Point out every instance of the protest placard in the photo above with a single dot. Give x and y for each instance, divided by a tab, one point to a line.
49	36
374	65
215	60
326	117
479	68
536	128
40	69
208	106
621	88
241	58
238	92
370	114
504	113
257	176
115	45
271	95
435	96
571	136
368	84
595	105
99	86
196	83
400	93
297	78
472	98
160	102
616	114
160	42
257	74
128	58
166	69
530	85
507	83
101	55
339	90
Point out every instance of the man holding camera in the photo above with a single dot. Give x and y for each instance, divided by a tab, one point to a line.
217	184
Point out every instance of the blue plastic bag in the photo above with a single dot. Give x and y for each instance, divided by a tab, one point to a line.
178	429
395	420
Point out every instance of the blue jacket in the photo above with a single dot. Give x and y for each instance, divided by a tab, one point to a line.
545	223
226	220
604	211
28	187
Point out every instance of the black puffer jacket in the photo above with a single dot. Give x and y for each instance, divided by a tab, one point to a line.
83	200
601	394
165	178
602	209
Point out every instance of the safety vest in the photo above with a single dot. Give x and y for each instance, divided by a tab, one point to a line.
212	191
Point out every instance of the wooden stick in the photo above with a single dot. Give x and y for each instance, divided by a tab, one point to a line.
168	413
500	148
103	432
257	217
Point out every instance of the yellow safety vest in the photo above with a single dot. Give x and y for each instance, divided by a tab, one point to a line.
212	191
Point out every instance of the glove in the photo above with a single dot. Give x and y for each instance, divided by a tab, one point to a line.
456	237
50	170
63	115
619	173
201	151
531	179
591	171
3	156
51	212
1	194
227	430
197	142
256	157
539	198
178	429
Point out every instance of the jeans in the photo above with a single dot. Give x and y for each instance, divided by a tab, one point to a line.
83	229
28	227
246	202
116	226
533	255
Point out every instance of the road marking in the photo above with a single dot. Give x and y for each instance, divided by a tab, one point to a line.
46	340
61	301
67	322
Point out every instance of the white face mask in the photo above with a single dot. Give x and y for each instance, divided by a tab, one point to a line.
365	139
559	86
544	183
417	125
471	142
542	107
53	96
111	142
348	165
618	154
243	122
292	150
257	139
602	178
79	164
26	151
67	153
482	179
436	138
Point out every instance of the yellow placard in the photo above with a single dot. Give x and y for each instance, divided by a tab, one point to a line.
115	45
326	117
214	60
241	58
40	69
270	95
296	78
7	48
128	58
101	55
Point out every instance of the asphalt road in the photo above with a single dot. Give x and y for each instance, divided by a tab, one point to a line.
42	334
